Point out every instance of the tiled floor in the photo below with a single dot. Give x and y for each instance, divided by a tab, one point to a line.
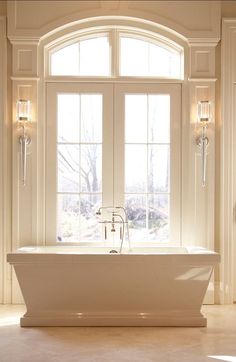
216	343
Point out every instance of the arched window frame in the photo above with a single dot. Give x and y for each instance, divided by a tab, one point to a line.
114	35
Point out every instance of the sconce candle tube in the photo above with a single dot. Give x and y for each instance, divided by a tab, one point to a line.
23	116
204	157
203	109
24	141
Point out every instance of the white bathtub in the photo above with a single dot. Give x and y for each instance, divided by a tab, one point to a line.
81	286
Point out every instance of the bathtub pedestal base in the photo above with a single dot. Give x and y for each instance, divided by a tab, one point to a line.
116	320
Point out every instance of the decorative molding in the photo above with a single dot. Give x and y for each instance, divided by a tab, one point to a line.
24	198
202	62
228	177
22	40
198	208
207	80
200	199
20	26
203	42
5	184
25	79
25	60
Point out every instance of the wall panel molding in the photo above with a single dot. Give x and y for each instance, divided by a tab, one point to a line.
228	163
202	61
24	59
5	184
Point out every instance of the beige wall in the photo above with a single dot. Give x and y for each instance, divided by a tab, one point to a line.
192	19
3	8
228	9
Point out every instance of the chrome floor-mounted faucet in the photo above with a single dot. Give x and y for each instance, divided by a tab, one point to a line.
116	219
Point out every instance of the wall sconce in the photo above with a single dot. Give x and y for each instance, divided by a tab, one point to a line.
23	117
204	115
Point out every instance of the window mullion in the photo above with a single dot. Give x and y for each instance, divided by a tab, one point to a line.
113	52
147	170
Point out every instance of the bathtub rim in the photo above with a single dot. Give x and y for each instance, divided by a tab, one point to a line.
194	256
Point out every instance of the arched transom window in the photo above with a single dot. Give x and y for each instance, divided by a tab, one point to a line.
117	53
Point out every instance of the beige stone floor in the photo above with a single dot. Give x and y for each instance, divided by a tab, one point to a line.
215	343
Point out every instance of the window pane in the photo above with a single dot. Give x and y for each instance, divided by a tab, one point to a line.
159	118
134	57
158	168
144	58
90	229
136	211
65	61
94	56
162	61
91	118
135	168
91	168
88	57
68	117
158	218
68	210
68	168
136	118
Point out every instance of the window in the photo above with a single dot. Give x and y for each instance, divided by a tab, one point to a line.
147	164
88	57
140	57
79	165
113	143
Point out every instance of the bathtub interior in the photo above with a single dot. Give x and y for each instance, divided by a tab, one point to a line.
145	250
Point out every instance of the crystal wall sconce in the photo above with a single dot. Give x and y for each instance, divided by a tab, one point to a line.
204	115
23	118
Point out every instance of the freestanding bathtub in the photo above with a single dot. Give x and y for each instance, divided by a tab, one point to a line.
81	286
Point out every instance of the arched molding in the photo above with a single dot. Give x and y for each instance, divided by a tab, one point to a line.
72	30
163	27
175	26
